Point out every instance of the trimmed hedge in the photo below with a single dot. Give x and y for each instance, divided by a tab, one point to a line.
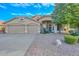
71	39
74	34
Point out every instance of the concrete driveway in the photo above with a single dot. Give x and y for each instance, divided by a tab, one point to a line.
15	44
36	45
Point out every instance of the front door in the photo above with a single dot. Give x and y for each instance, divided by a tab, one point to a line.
46	27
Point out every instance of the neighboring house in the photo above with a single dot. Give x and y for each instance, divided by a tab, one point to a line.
36	24
2	27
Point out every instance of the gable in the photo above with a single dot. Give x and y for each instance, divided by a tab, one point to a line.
36	18
18	20
45	18
21	21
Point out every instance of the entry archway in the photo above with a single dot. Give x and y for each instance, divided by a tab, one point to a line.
46	26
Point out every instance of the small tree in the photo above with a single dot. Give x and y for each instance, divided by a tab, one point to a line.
59	15
67	14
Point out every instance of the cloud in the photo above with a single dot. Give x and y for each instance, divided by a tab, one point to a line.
47	4
29	14
21	14
1	6
43	4
17	14
26	4
48	13
53	4
14	14
21	4
37	6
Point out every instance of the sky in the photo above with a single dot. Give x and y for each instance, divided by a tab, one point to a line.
11	10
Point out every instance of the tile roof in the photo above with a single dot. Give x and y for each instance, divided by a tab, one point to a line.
25	22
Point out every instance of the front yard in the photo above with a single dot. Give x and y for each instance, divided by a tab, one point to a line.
35	45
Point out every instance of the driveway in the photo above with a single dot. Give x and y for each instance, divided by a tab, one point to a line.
15	44
35	45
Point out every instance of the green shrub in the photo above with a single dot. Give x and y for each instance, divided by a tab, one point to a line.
71	39
74	33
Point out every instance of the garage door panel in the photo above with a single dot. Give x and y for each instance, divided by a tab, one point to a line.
16	29
33	29
23	29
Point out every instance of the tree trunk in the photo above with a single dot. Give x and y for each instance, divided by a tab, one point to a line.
59	28
78	29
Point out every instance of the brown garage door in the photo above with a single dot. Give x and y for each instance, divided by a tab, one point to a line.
16	29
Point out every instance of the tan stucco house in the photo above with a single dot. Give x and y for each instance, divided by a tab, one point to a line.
36	24
22	24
